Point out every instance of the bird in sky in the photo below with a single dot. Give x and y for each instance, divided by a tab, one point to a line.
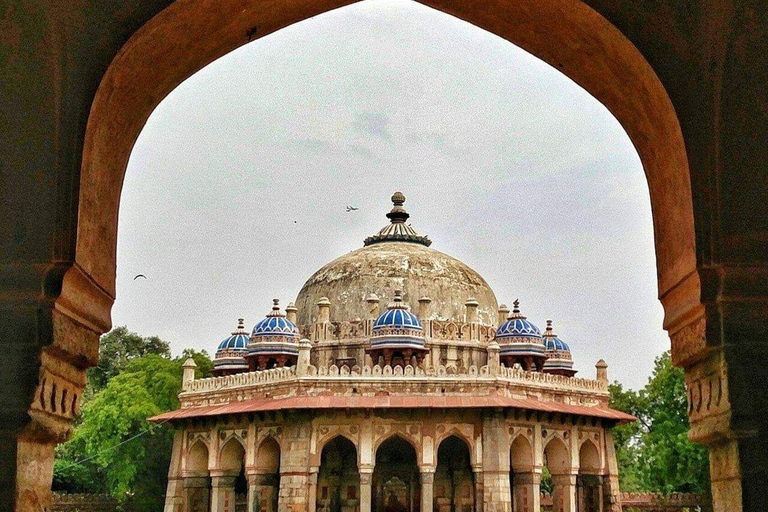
138	276
352	209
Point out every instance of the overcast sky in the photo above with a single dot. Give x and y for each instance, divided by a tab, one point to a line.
237	187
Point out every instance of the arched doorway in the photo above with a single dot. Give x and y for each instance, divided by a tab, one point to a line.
557	460
454	487
396	479
197	481
338	481
264	482
230	486
589	482
523	482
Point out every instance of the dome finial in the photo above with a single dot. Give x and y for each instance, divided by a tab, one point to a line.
397	230
516	306
275	309
241	323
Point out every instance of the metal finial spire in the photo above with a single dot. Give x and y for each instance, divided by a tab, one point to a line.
397	230
275	308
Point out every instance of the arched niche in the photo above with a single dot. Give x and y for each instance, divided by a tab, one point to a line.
454	484
196	463
338	483
396	478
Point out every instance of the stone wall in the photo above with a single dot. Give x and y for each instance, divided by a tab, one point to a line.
650	502
63	502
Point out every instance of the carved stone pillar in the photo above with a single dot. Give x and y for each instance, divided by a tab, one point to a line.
427	488
564	493
366	491
223	493
478	472
526	492
497	495
312	494
197	494
589	493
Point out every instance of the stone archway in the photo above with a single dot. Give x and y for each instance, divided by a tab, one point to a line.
264	479
589	496
557	459
454	485
338	481
523	480
396	478
197	481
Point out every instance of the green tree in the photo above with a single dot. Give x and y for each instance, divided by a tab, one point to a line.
654	454
117	348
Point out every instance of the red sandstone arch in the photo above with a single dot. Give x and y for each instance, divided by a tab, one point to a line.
557	456
567	34
521	454
589	458
196	463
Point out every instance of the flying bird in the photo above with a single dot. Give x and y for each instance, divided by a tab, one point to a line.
352	209
138	276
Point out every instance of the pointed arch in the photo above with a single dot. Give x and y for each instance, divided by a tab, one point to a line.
589	458
196	462
557	456
338	482
521	454
454	485
268	456
232	456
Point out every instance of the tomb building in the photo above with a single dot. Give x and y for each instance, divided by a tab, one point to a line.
394	383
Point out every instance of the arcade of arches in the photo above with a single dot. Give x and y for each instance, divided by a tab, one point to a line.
685	79
391	461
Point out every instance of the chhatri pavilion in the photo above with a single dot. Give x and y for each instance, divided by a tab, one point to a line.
394	383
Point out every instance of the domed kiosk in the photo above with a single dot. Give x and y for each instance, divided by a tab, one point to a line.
395	383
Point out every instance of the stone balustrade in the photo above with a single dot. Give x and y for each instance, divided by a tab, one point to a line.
333	372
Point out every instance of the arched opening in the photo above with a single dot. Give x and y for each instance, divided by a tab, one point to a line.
557	462
396	479
197	482
338	481
454	487
523	483
589	481
233	482
264	483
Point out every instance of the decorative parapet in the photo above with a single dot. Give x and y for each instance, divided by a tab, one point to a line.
648	502
333	372
435	329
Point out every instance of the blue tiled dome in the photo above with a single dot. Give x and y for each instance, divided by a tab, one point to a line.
275	324
238	340
517	326
397	318
555	344
235	342
397	328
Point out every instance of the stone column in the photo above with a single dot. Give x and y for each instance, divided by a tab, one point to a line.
256	484
196	494
427	488
564	493
611	495
526	492
223	493
496	492
312	486
478	472
366	491
589	495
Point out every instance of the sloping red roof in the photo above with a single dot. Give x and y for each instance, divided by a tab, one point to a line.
390	402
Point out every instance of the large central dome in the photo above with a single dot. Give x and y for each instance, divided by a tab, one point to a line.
397	258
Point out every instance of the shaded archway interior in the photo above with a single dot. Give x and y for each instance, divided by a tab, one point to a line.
567	34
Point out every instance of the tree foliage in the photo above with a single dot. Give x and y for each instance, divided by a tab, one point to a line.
117	348
114	448
654	453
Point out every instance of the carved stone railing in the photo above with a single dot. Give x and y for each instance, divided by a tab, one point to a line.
510	375
648	502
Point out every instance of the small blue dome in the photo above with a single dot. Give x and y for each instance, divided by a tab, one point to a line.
552	342
397	318
555	344
238	340
275	324
517	326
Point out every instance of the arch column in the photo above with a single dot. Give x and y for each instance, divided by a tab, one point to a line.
427	475
312	492
477	471
197	494
526	491
366	488
223	493
497	495
564	492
